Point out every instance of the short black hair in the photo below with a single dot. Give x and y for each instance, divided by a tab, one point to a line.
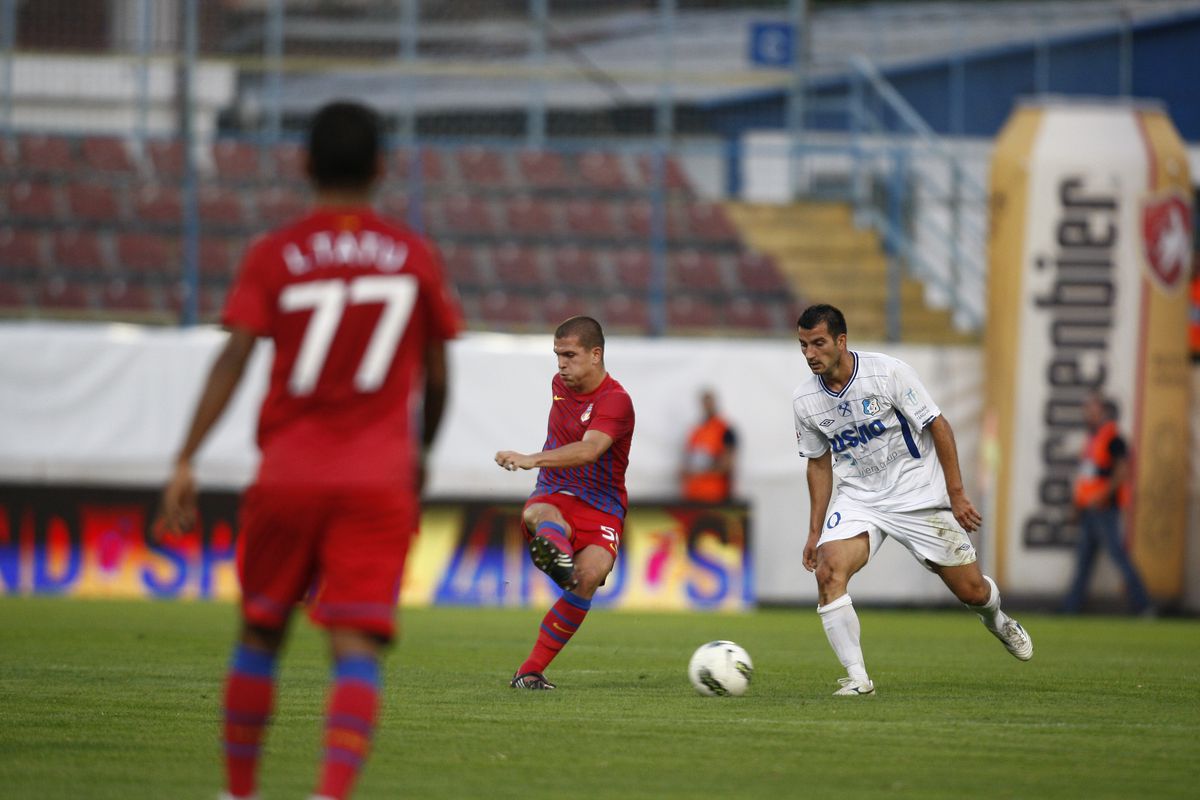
343	146
834	319
586	329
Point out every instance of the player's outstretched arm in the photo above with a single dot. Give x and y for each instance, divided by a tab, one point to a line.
947	452
178	512
575	454
820	488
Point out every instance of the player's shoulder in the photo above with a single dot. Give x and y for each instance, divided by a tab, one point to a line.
616	390
873	364
808	387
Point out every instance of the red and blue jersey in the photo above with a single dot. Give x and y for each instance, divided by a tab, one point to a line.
608	409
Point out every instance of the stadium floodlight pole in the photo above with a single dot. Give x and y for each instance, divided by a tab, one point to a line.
8	39
798	17
273	52
191	201
535	118
145	31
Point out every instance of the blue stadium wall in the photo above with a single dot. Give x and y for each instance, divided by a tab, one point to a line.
1166	66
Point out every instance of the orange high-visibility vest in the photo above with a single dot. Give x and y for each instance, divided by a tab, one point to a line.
705	447
1095	469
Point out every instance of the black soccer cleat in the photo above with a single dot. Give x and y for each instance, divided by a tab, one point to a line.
531	680
559	565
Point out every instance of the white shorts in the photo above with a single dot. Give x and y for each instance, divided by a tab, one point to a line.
932	535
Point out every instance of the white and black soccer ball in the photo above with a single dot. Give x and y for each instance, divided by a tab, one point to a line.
720	669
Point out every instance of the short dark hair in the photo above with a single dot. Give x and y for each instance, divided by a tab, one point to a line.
343	146
586	329
834	319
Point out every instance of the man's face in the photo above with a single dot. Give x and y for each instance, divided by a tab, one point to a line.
1093	412
577	365
822	351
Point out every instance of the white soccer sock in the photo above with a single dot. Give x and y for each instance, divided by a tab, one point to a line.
842	630
990	613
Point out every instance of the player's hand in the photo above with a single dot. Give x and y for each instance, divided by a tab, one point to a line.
513	461
178	511
810	554
965	512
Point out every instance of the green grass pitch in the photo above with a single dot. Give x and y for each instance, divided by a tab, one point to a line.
120	700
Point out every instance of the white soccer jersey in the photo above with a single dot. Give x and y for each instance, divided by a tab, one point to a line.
877	427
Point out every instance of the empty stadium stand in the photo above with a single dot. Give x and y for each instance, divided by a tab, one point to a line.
92	226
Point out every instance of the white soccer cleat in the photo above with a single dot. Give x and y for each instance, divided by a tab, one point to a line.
852	687
1015	639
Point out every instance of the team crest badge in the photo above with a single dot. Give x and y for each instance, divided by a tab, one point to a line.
1167	239
587	413
871	406
844	408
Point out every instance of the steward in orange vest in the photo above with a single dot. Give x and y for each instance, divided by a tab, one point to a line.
708	459
1102	469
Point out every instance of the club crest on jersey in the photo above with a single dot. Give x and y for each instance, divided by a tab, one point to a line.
870	405
587	413
844	408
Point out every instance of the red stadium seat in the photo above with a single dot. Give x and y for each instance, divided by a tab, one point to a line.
12	295
634	269
221	207
758	273
217	259
46	154
602	170
574	267
21	251
288	161
639	219
63	294
108	154
159	204
76	251
542	169
558	306
591	219
517	267
461	265
531	216
503	309
673	174
432	169
695	269
236	160
395	206
747	315
148	254
691	312
93	202
626	313
32	200
708	222
166	158
467	214
279	205
481	167
123	296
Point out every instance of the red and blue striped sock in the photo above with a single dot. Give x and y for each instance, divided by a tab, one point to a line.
349	723
556	534
249	700
558	626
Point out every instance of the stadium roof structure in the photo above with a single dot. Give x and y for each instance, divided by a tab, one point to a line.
611	58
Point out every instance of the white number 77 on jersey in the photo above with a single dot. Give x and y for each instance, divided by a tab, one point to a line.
327	300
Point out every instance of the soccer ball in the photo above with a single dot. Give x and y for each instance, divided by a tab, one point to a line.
720	669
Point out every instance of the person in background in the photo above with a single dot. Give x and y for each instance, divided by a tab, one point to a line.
709	455
1101	494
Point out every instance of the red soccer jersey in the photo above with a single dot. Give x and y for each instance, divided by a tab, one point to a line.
608	409
350	302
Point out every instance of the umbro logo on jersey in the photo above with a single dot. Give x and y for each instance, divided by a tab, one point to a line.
825	423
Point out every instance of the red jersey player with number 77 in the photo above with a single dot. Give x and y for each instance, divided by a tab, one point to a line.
576	514
358	312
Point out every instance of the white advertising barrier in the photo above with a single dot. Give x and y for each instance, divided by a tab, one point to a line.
1088	262
107	405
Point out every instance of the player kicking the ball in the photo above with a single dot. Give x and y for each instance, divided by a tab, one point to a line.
576	513
867	417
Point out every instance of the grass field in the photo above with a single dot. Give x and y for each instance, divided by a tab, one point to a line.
120	700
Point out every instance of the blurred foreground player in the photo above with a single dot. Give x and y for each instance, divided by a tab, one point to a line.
576	514
358	313
868	418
